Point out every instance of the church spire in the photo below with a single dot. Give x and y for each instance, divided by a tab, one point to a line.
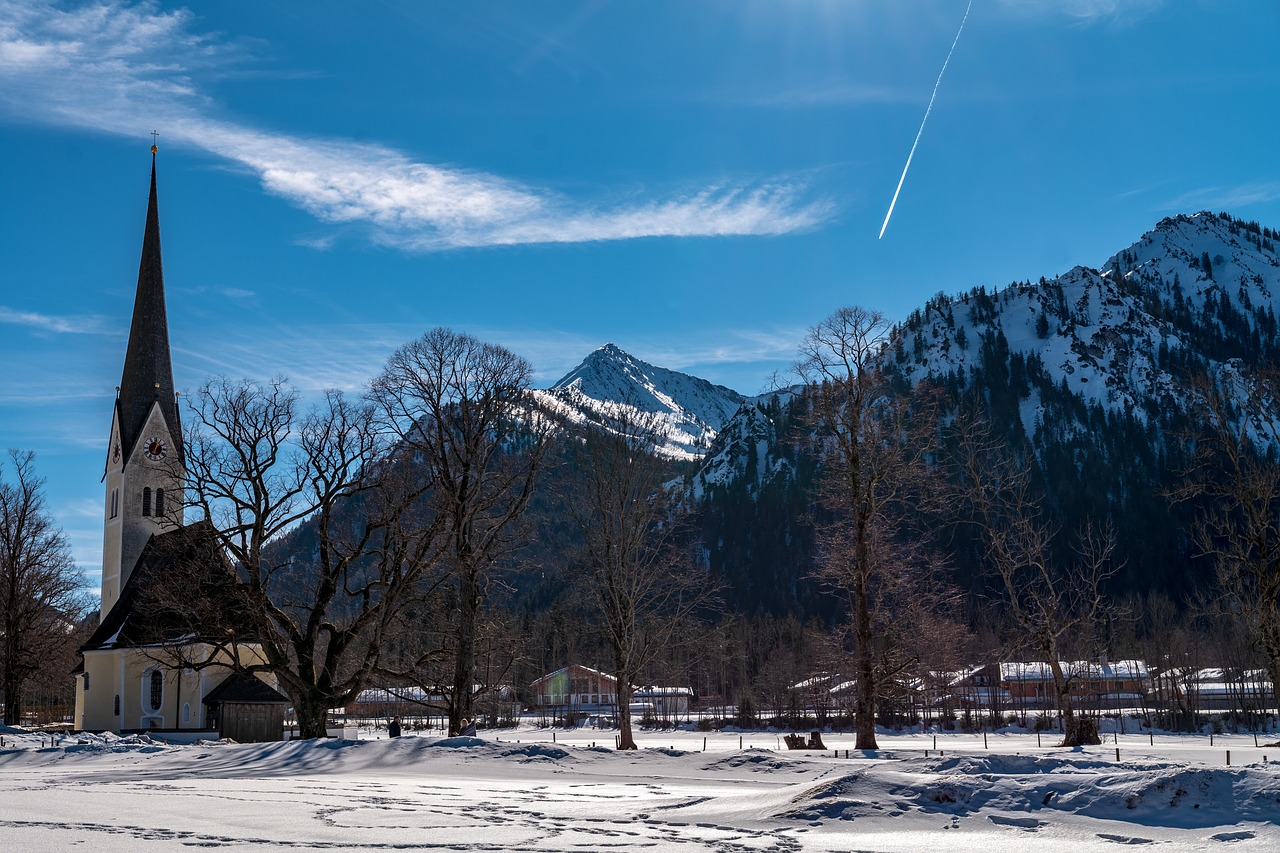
148	371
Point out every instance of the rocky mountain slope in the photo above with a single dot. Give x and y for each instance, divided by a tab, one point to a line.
1088	369
690	411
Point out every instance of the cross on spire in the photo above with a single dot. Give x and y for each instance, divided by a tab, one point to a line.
154	134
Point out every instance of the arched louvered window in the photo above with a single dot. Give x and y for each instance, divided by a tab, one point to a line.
160	502
115	502
146	501
116	706
157	689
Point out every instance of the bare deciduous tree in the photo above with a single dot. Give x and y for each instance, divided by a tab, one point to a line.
461	406
1050	603
1236	474
640	581
41	597
323	530
874	447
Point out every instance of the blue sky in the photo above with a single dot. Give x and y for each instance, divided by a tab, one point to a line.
695	181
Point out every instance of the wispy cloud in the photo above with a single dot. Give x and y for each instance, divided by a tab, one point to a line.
71	324
1085	11
738	346
1241	195
116	66
347	356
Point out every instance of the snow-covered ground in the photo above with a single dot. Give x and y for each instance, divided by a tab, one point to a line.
516	790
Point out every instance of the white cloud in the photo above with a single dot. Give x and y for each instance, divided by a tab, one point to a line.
1219	198
116	66
75	325
1122	11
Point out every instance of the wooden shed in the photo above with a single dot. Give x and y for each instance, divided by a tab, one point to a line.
247	710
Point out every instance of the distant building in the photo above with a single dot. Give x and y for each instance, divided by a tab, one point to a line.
1104	685
1224	689
493	704
577	689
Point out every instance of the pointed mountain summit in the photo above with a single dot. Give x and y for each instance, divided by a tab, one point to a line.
692	410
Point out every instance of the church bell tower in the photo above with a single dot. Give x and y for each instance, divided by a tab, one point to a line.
144	467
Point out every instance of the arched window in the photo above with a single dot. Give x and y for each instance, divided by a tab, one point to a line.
115	707
157	689
115	502
186	712
160	502
86	682
146	501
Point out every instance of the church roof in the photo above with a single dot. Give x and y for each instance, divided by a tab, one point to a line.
148	371
181	589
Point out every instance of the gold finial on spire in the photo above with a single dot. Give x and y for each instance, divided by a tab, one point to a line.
154	134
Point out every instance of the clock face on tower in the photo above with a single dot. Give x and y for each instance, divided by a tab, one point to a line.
155	448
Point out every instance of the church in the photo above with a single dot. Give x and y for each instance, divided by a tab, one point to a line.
145	668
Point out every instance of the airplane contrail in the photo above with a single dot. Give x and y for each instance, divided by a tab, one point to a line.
925	119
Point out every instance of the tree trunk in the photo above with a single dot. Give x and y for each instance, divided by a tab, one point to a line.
626	740
465	663
13	677
12	701
1075	731
865	708
313	716
9	631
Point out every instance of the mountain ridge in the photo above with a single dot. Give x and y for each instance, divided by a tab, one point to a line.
689	410
1089	370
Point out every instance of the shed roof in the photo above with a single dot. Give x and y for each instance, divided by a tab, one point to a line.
241	687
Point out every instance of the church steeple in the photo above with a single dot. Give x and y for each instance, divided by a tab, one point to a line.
148	371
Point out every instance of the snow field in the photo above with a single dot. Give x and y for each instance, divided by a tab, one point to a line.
424	792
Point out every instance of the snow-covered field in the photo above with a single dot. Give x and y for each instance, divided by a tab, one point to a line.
515	790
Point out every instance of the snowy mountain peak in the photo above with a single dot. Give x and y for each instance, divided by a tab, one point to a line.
691	410
1191	294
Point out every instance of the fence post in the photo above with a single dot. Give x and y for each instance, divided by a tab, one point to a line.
984	740
1228	758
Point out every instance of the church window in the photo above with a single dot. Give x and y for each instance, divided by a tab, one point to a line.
157	689
186	712
159	501
115	706
115	502
86	682
146	501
